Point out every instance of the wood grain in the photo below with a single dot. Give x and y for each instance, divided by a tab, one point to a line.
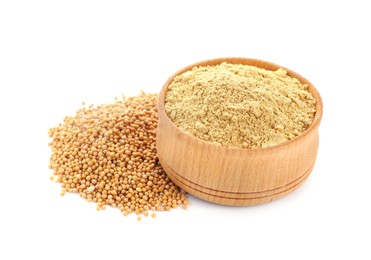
236	176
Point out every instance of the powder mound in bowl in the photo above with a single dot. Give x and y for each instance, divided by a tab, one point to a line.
107	154
240	105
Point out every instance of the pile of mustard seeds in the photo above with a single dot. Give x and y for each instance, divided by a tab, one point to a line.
239	105
107	154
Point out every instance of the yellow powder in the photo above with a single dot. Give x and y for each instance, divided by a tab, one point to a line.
239	105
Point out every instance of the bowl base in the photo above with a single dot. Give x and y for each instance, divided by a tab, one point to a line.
233	198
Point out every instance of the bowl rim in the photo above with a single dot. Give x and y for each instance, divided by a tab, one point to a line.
252	62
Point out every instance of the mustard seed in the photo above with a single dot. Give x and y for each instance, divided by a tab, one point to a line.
107	154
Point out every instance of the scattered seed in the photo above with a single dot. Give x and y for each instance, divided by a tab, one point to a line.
90	189
107	154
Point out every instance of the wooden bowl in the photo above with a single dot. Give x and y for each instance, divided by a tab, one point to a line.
236	176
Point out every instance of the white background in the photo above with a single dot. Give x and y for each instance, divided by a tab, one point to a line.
56	54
